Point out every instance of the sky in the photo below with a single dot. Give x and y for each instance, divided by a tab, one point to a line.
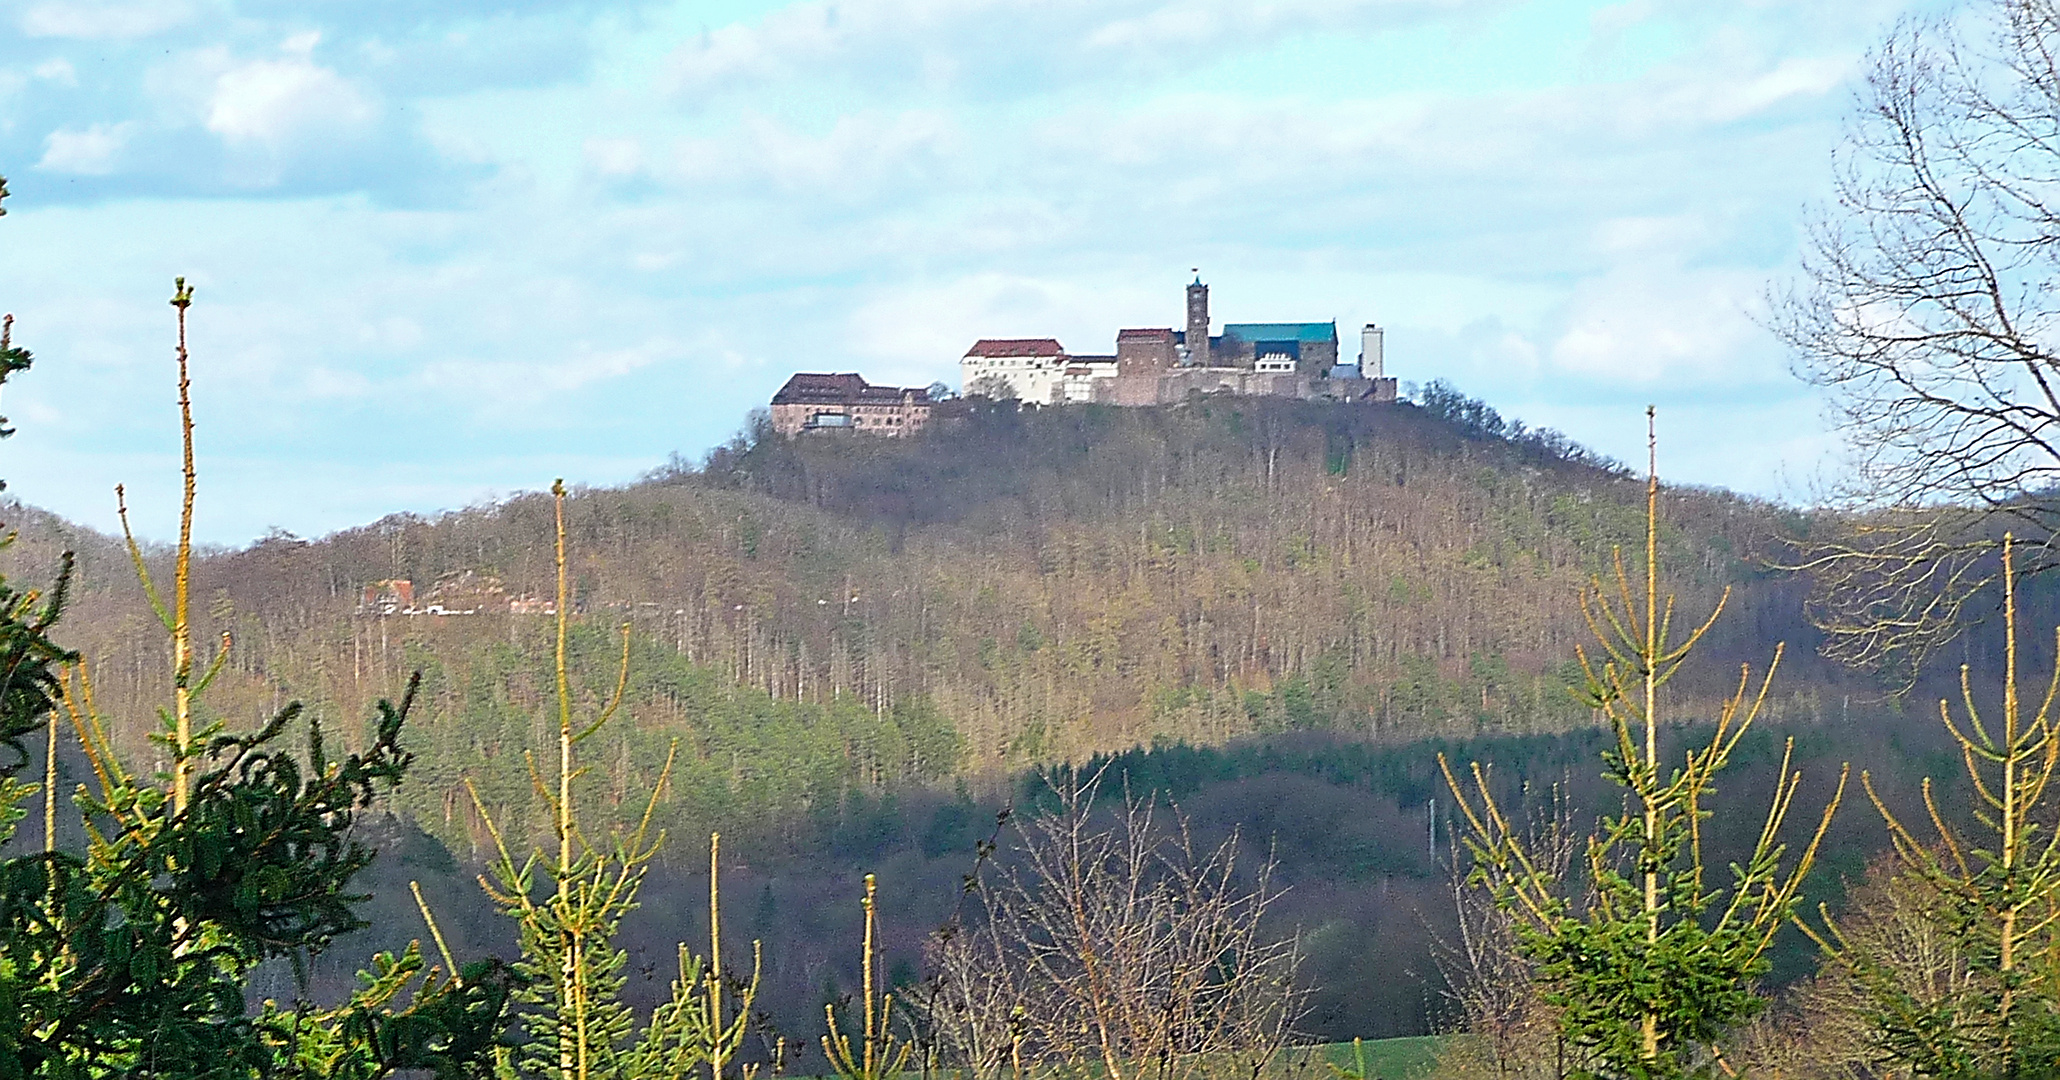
446	252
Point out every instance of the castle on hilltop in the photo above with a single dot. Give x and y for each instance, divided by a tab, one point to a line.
1161	365
1151	366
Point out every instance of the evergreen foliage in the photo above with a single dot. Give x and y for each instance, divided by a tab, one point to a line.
568	910
1654	965
1992	1008
754	767
13	359
28	658
130	959
28	661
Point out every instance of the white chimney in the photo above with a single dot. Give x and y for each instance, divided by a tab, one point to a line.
1370	352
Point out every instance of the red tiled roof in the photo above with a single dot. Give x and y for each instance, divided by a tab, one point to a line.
1043	346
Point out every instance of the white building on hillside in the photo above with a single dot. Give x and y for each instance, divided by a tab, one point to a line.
1032	369
1029	369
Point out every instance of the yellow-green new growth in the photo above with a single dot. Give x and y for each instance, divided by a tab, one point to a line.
182	741
1357	1070
141	946
579	1027
1996	903
881	1054
1653	970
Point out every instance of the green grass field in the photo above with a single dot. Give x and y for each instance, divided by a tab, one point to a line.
1388	1059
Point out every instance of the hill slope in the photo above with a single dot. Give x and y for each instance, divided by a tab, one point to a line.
861	644
821	616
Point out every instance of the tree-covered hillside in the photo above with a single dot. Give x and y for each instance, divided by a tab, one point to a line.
860	646
824	616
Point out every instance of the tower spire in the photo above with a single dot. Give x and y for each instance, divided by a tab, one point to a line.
1198	322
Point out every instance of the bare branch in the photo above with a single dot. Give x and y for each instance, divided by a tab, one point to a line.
1927	308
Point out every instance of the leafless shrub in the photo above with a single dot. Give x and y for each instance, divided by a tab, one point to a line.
1507	1030
1823	1028
1114	944
976	1003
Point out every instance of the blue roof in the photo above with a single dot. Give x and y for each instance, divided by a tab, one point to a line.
1283	331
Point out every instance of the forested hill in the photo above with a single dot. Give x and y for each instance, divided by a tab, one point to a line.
826	616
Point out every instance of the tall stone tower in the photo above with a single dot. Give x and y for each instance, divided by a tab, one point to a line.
1372	363
1198	322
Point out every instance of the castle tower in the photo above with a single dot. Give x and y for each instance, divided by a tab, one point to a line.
1198	322
1370	358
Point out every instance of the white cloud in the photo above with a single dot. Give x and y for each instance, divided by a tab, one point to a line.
275	103
1642	325
104	19
58	70
11	83
863	154
492	391
614	157
1016	47
1610	22
1792	77
96	151
919	330
805	37
1657	236
1175	25
1188	24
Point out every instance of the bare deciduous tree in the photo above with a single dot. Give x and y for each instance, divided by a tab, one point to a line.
1822	1028
1115	940
1514	1034
975	1004
1928	308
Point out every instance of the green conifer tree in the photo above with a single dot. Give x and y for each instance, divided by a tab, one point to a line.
28	658
1993	898
568	908
130	958
1658	964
